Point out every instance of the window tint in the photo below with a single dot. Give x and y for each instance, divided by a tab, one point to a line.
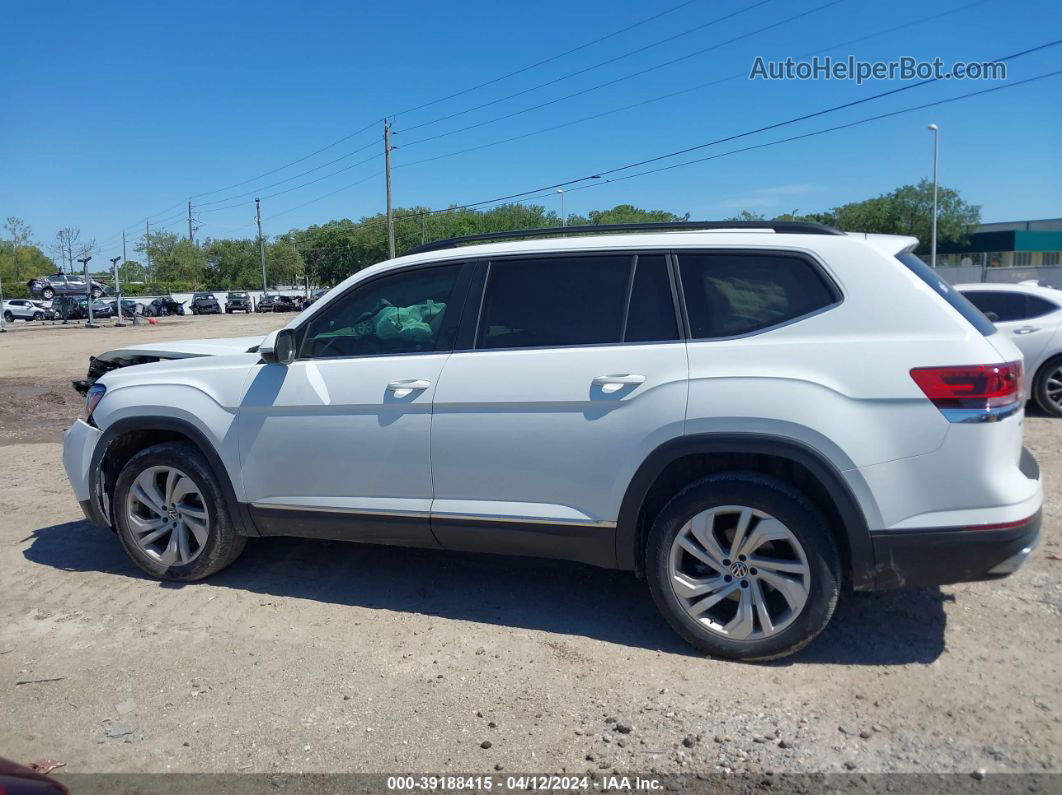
731	294
1005	306
1037	306
651	315
403	313
554	301
957	301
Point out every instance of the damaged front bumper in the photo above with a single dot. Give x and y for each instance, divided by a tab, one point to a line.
79	444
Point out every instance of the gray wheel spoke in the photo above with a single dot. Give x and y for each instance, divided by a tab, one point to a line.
790	566
768	529
744	519
701	528
791	588
709	601
697	552
171	524
742	624
690	588
766	624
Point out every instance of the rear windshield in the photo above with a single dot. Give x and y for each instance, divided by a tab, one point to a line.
947	292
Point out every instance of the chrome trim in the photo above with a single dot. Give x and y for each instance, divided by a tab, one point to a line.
470	517
494	519
333	509
982	415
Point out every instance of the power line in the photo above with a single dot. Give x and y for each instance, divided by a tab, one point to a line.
546	60
630	76
590	68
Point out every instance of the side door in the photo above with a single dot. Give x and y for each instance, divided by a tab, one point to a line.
1026	319
335	444
573	372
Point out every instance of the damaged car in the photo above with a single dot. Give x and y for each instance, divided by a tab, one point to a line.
47	287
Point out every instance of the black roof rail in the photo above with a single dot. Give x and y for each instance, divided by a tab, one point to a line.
781	227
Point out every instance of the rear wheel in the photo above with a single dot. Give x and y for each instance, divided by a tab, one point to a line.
743	566
47	293
171	516
8	317
96	292
38	316
1047	387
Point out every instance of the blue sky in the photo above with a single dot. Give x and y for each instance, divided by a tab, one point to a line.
117	111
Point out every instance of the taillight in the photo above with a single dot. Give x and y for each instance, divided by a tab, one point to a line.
974	392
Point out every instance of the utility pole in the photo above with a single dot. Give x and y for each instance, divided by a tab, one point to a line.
189	220
261	243
936	150
147	248
423	236
387	170
88	290
117	290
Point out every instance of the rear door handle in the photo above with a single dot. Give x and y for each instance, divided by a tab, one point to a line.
613	383
1026	330
405	388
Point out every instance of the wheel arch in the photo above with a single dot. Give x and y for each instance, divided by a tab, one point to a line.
683	460
126	437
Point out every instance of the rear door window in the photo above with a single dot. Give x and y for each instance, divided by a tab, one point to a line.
732	294
1004	306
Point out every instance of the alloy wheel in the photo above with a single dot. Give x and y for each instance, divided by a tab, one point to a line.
1053	387
167	516
739	572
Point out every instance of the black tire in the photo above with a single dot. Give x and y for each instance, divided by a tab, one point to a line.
1039	389
96	292
8	317
789	506
38	316
47	293
223	543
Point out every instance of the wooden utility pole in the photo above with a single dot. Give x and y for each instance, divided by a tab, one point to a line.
387	170
261	243
189	220
147	248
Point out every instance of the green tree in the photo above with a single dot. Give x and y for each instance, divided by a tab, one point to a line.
131	271
746	215
629	214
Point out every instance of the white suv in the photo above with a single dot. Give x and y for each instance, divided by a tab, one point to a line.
747	417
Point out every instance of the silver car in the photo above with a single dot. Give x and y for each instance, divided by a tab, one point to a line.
47	287
24	309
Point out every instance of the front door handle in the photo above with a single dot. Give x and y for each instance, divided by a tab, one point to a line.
406	388
614	383
1026	330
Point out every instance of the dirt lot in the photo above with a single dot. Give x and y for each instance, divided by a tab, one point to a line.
328	657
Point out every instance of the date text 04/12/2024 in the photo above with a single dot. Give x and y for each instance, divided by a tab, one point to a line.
614	783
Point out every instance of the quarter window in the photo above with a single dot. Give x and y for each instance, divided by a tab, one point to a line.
403	313
556	301
728	295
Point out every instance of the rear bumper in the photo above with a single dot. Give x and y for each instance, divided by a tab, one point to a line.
947	555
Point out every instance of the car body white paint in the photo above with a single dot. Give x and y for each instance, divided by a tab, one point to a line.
524	433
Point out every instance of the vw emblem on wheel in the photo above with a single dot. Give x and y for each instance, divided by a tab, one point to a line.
739	569
172	513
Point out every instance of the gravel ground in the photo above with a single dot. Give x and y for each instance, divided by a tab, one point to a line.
329	657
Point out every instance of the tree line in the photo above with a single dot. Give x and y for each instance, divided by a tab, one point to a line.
325	254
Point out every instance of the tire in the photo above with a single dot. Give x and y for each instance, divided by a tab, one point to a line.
713	629
8	317
47	293
221	544
38	316
1043	382
96	292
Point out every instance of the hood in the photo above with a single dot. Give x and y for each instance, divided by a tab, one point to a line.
159	351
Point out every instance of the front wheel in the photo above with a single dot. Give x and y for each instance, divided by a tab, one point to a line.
171	516
1047	387
96	292
47	293
743	566
38	316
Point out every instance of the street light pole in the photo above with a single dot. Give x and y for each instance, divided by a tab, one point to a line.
88	290
261	244
117	290
564	218
936	152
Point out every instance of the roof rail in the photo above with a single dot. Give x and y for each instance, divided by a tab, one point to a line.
781	227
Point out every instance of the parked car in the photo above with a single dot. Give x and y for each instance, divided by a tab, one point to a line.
741	417
24	309
314	296
204	304
1031	315
76	307
237	302
276	303
129	307
47	287
162	306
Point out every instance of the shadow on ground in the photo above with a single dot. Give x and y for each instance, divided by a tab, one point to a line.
888	628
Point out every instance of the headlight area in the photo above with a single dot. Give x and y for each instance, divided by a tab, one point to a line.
93	396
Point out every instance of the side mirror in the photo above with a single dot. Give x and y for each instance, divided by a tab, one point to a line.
278	347
992	316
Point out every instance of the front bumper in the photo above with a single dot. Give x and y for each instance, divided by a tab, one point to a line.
947	555
79	444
